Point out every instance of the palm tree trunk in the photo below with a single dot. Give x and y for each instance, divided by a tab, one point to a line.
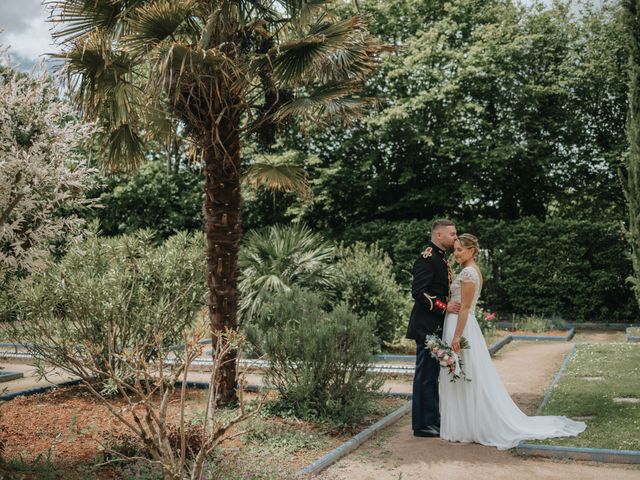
222	228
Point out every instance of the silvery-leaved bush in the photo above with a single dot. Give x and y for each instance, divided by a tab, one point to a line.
42	172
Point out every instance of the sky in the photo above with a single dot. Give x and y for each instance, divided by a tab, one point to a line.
27	33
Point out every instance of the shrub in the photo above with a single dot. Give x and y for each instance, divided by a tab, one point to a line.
107	294
278	258
124	312
365	281
43	177
486	321
319	360
572	268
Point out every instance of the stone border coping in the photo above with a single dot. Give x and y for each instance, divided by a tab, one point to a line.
33	391
631	338
350	445
556	379
574	453
190	384
494	347
583	325
569	335
7	376
602	326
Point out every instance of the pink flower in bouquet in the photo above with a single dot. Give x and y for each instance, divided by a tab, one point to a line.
451	361
440	352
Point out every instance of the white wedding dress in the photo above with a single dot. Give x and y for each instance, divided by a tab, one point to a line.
482	410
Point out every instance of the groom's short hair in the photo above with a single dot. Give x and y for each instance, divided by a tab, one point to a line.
440	223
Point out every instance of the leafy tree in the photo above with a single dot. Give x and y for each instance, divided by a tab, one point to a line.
224	70
154	197
632	18
494	109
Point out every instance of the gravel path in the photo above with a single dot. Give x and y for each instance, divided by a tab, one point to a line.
395	454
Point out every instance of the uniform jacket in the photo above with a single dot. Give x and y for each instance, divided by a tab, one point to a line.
430	291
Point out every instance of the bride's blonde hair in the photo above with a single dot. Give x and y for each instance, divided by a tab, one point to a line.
470	241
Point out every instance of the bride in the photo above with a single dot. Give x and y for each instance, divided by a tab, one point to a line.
482	410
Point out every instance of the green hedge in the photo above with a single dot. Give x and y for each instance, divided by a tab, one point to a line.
572	268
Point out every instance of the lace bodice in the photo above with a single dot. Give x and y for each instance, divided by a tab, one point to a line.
468	274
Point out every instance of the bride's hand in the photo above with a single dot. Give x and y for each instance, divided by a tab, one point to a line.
455	344
453	306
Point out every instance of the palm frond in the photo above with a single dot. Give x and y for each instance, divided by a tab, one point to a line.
301	11
101	81
81	17
326	103
123	148
297	59
155	22
276	176
279	257
355	62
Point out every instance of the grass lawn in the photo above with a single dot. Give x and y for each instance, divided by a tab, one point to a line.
598	374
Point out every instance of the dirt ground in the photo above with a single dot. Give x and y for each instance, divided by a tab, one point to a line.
527	369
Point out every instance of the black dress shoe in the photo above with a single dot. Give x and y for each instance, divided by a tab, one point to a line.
430	431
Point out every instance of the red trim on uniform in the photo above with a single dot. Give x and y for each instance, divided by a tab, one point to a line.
441	305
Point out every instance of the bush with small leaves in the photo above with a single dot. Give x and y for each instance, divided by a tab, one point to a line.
108	295
365	281
318	360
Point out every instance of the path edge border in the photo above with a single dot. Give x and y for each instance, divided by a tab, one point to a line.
631	338
350	445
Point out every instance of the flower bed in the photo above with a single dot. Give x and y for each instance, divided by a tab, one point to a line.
61	432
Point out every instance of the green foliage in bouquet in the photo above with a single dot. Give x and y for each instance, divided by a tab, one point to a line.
365	281
108	295
319	359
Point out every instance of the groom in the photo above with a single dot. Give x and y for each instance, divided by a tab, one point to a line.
430	289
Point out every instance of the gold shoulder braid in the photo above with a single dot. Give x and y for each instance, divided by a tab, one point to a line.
427	252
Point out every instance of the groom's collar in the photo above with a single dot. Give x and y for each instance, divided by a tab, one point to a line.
436	248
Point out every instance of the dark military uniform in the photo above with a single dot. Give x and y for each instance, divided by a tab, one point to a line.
430	290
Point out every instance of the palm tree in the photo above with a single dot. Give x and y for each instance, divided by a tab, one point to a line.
632	173
278	258
225	70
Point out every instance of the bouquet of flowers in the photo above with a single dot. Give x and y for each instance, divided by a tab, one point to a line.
447	358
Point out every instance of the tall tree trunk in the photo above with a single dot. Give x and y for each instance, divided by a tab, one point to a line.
223	229
632	190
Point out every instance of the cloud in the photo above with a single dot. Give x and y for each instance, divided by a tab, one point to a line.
15	15
25	30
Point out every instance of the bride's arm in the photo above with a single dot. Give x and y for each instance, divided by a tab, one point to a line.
468	290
